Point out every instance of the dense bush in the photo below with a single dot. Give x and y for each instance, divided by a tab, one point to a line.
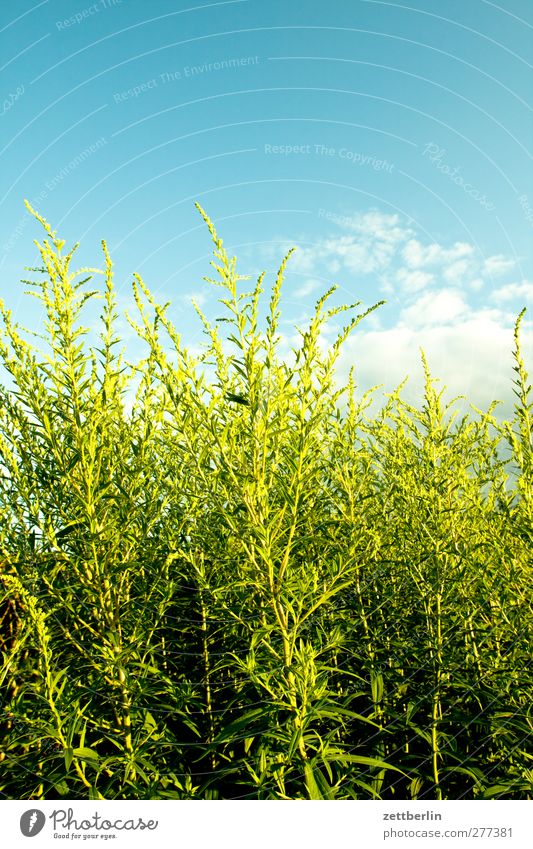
242	584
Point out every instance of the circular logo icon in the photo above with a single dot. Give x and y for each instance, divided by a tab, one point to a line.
32	822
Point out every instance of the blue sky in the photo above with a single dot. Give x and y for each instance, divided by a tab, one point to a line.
390	142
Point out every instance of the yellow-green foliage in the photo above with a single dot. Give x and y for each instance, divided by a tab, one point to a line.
247	586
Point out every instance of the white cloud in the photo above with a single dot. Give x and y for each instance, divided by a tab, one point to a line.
413	281
386	251
380	226
365	256
379	246
306	288
520	291
369	248
458	272
443	301
434	308
472	357
199	297
417	255
498	264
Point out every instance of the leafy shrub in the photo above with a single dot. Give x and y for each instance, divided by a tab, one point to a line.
246	586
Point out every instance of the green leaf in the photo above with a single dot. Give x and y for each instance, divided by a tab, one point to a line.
341	757
234	729
85	754
68	754
310	782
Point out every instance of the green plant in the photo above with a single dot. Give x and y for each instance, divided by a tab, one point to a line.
246	585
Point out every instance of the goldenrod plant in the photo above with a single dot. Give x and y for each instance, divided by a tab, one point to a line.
223	576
